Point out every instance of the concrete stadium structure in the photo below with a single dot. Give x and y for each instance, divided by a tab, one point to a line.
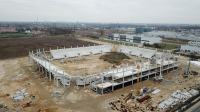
111	79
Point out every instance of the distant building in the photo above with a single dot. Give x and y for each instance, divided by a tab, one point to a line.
125	38
130	30
122	37
143	29
134	38
137	39
114	37
7	29
28	31
191	47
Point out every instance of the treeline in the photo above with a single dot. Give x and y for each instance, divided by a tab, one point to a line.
60	31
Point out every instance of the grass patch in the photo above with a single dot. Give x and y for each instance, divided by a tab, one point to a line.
164	46
14	35
116	42
114	57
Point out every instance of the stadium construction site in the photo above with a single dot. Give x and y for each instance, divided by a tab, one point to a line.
152	64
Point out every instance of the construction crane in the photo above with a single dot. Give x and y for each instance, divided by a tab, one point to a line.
138	86
187	69
161	68
160	77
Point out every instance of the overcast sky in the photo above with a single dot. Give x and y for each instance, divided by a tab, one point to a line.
105	11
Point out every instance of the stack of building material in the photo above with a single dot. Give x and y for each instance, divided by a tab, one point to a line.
170	102
177	97
195	63
193	92
20	95
181	96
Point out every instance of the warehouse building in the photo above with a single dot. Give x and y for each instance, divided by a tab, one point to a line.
191	47
125	38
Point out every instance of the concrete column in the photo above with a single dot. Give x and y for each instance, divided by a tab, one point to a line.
132	78
29	57
57	82
39	67
50	75
54	79
84	83
54	76
42	70
123	78
63	80
69	82
46	73
102	87
112	84
49	72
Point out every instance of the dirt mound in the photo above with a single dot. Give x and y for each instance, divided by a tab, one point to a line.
114	57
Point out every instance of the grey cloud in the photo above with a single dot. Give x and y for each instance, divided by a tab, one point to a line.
123	11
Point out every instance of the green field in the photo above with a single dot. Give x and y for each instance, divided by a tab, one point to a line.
14	35
117	42
165	46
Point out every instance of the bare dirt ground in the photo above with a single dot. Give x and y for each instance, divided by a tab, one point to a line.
93	41
19	47
83	65
172	81
88	65
19	74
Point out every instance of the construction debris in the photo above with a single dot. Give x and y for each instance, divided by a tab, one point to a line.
143	98
128	103
20	95
156	91
3	108
27	104
176	98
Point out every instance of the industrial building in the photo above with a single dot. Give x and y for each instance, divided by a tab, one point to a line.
135	38
191	47
125	38
156	64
